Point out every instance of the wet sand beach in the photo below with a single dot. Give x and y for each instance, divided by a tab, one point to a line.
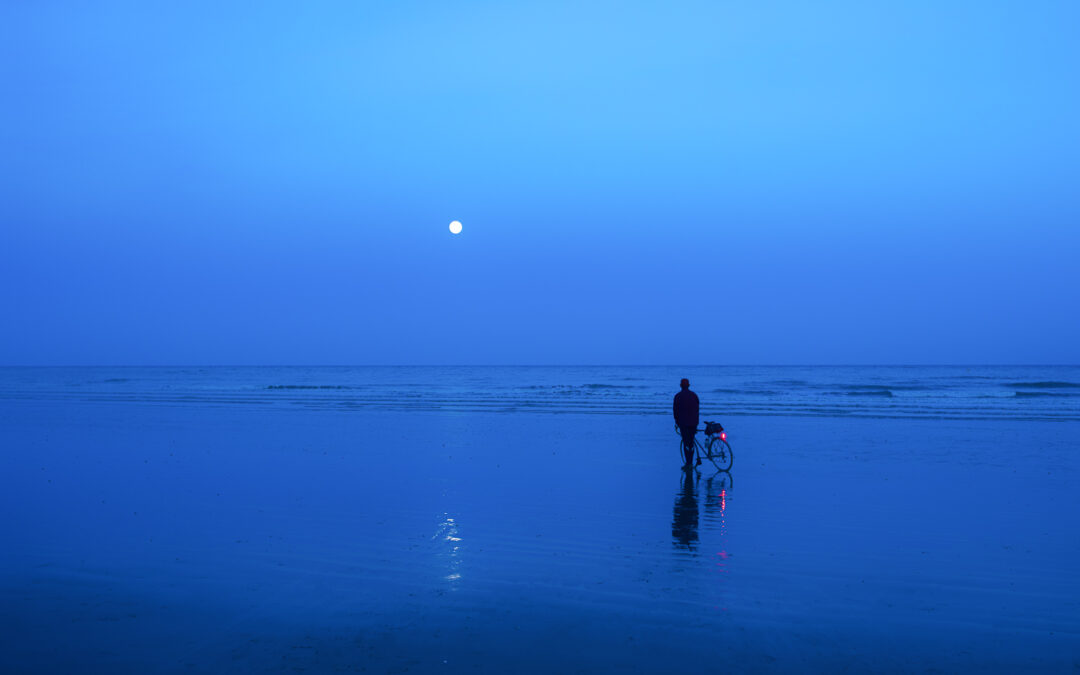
211	538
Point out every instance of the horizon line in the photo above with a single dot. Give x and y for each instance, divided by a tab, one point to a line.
559	365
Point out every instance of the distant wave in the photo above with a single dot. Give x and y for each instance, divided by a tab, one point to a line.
880	387
962	377
1052	384
570	387
116	380
868	392
308	386
1044	394
858	390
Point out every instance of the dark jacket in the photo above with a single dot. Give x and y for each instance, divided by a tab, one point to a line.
686	409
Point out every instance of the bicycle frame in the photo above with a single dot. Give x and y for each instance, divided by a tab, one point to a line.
716	448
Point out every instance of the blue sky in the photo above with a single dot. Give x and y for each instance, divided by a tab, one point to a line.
776	182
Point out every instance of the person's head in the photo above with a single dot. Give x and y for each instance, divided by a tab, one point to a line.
685	383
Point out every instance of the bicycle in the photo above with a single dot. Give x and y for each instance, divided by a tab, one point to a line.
716	448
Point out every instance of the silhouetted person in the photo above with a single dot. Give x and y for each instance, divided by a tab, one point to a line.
686	418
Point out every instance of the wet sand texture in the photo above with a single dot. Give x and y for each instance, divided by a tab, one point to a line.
205	538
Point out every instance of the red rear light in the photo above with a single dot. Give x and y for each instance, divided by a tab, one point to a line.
723	435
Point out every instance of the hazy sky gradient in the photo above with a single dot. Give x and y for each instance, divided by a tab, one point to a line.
768	182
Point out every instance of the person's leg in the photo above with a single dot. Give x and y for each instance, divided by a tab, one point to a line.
688	444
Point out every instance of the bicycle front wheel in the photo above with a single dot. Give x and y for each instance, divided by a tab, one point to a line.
719	453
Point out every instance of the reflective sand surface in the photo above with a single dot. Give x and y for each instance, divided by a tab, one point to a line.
208	538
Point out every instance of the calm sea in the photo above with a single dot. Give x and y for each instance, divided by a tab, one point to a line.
943	392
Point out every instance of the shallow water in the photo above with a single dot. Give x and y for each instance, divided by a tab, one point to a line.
196	536
902	392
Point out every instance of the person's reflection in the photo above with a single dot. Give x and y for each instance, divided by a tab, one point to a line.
684	521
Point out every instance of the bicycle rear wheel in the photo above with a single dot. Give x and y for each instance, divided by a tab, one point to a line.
719	453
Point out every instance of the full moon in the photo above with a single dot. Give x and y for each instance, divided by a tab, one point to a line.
455	227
